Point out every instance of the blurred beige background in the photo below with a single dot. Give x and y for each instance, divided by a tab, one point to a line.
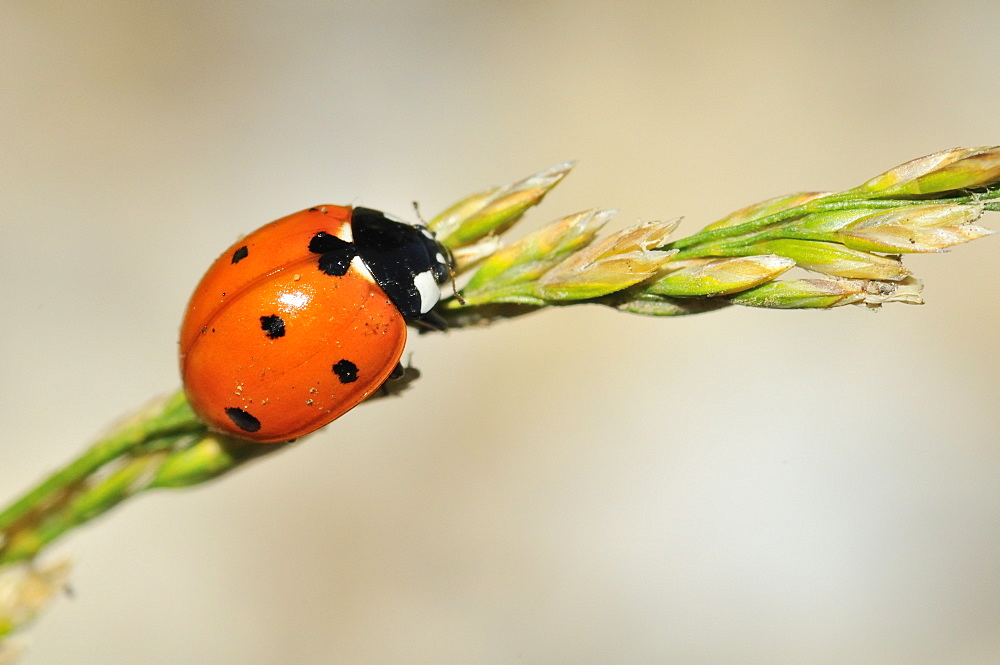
578	486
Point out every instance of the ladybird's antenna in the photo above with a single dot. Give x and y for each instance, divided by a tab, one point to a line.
454	286
451	259
416	209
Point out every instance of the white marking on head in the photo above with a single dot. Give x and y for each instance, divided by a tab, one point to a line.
362	269
393	218
428	290
439	257
346	233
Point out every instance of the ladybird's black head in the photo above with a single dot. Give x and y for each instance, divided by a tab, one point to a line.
406	261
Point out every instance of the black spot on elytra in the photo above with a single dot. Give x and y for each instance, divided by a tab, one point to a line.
273	326
240	254
242	419
346	371
334	254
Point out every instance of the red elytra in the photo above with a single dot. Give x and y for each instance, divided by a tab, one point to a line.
273	346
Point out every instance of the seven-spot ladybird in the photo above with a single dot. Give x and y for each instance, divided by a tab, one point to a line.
304	318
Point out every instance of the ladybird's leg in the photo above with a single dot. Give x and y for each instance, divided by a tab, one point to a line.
429	321
398	381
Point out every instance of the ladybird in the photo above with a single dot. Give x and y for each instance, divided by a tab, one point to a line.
304	318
